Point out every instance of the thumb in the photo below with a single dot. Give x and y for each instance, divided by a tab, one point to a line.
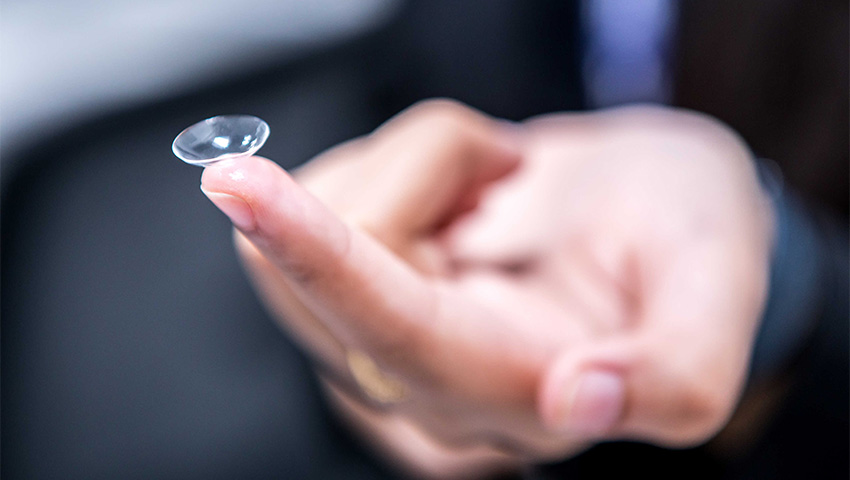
634	389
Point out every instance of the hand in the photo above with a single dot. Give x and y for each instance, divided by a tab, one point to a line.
651	222
481	331
364	270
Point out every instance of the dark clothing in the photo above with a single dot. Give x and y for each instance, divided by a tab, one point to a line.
133	346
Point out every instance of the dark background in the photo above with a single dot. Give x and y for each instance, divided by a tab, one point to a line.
133	347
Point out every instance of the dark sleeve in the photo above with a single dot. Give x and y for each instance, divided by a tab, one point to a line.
801	276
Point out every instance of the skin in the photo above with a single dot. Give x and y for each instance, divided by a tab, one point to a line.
534	287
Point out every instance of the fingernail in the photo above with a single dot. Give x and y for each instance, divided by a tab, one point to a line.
235	208
594	403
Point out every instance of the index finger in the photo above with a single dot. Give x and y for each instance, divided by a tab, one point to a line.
361	291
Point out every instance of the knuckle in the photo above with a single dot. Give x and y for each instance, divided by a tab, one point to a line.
404	346
707	405
441	118
697	392
365	220
439	107
705	408
306	265
413	347
300	272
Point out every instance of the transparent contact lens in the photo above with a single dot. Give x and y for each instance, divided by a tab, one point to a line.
220	138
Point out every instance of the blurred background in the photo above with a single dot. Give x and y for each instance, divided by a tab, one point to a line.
132	345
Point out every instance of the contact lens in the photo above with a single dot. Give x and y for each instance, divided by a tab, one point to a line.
220	138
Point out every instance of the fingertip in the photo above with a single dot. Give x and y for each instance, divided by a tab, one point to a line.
289	226
257	194
247	178
237	187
